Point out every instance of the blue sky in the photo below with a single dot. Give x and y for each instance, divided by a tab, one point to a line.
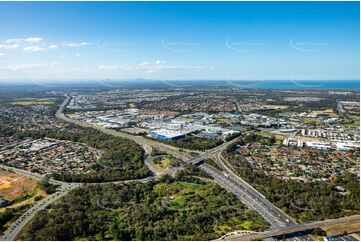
180	40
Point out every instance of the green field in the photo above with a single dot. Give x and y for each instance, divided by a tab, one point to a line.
27	103
33	101
329	112
162	162
356	123
179	194
312	120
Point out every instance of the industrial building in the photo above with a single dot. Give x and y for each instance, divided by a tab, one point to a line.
167	134
319	145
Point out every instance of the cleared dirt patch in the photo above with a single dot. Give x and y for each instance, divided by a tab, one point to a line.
13	186
339	229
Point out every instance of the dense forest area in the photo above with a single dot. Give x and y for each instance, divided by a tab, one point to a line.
171	209
309	201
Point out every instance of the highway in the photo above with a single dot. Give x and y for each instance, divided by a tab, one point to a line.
242	193
209	153
291	229
282	218
13	231
138	139
265	208
226	179
156	171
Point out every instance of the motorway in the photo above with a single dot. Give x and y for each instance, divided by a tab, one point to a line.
242	189
292	229
282	218
13	231
272	215
275	216
226	179
138	139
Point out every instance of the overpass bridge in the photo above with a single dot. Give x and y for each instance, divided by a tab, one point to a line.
234	184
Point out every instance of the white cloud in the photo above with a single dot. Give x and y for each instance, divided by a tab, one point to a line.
29	67
77	55
53	47
144	63
30	40
148	66
36	44
16	43
33	40
33	48
75	44
13	41
158	62
37	48
2	54
9	46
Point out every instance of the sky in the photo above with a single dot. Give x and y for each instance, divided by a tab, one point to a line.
179	40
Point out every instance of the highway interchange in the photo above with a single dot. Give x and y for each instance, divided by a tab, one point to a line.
225	178
245	192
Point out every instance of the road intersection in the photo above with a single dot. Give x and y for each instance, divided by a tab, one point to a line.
225	178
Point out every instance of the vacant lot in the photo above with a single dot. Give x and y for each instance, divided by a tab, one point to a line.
329	112
340	229
165	161
13	186
22	191
356	123
276	106
33	101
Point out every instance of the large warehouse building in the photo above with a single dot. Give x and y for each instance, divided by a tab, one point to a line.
167	134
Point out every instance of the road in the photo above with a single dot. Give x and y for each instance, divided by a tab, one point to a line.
157	171
13	231
32	175
268	212
272	214
227	179
252	192
292	229
209	153
138	139
230	181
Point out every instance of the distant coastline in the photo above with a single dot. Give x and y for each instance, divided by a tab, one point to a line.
269	84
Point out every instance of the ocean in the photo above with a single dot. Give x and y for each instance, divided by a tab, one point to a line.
341	84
